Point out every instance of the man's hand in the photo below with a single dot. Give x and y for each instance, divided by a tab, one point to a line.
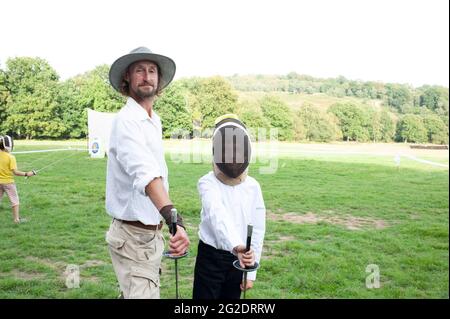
179	243
249	285
246	259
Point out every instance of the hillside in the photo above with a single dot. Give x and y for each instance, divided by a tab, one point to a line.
320	100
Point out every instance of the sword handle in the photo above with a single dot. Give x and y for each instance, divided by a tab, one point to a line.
249	237
34	173
248	245
173	211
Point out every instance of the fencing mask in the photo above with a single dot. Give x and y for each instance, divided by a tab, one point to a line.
231	146
6	143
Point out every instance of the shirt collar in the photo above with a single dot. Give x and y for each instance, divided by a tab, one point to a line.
139	111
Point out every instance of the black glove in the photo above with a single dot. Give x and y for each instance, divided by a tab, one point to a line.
166	214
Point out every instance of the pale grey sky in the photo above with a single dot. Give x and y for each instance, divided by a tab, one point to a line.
405	41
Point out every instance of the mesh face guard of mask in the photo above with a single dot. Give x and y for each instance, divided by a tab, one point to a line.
231	147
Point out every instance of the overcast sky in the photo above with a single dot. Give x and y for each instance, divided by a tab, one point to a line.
405	41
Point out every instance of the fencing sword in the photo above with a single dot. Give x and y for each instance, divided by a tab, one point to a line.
51	164
247	248
167	254
39	158
247	269
34	173
174	231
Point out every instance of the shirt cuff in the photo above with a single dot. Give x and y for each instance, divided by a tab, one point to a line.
251	275
141	183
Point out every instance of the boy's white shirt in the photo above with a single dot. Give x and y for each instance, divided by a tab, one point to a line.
226	212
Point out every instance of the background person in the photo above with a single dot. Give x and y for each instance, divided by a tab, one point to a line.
8	168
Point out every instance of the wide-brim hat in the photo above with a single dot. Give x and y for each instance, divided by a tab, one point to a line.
165	64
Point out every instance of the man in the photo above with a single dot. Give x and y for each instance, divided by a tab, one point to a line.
136	182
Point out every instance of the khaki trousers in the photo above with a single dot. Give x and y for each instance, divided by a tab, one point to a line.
136	257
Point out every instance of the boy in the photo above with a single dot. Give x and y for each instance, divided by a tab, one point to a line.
8	168
230	201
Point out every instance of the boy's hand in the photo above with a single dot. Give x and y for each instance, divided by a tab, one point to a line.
249	285
30	173
246	259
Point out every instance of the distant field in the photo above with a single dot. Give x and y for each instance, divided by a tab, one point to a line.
263	152
332	210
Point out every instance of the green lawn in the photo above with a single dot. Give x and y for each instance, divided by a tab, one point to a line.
328	218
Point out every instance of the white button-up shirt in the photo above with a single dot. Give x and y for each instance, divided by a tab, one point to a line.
135	158
226	212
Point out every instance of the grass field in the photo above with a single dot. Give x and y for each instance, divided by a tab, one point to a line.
329	216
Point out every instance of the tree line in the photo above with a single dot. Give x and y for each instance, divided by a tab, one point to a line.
401	97
35	103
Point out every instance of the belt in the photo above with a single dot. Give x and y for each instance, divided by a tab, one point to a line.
141	225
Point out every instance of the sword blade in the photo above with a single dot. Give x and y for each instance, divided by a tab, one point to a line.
176	277
245	283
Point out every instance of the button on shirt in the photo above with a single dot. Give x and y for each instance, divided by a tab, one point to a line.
226	212
135	158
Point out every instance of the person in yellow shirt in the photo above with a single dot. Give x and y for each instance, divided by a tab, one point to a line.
8	168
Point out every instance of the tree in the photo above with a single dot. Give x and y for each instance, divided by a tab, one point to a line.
23	73
4	94
353	120
74	115
89	90
97	93
375	128
251	115
210	98
398	96
381	126
32	110
316	125
387	127
437	131
279	116
435	98
299	128
174	110
411	129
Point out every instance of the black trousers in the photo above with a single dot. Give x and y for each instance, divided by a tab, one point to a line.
215	276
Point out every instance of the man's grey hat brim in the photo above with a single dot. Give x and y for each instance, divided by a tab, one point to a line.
165	64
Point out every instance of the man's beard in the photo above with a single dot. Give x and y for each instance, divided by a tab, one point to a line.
145	94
